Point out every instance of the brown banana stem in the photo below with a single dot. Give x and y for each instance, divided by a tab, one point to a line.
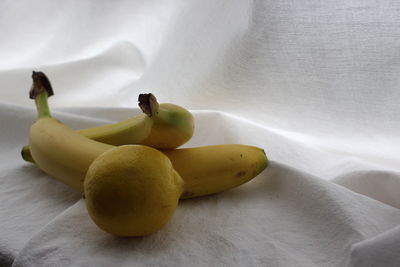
148	104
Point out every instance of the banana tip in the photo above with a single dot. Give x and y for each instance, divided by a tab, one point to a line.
266	160
26	155
23	154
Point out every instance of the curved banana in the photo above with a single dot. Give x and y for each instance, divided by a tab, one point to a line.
162	126
211	169
57	149
66	155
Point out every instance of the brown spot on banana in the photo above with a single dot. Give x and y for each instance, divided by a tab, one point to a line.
241	174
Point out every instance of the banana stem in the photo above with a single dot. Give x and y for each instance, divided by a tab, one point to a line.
41	90
148	104
42	105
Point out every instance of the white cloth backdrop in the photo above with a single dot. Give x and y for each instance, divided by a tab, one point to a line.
314	83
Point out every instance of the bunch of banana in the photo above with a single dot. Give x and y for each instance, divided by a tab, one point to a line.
130	173
162	126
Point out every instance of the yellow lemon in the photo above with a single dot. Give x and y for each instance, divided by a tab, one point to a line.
132	190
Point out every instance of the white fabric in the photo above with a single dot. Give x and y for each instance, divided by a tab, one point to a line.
314	83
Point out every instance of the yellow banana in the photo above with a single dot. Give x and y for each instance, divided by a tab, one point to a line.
211	169
66	155
163	126
56	148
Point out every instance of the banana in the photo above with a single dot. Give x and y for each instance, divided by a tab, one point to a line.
162	126
58	150
66	155
212	169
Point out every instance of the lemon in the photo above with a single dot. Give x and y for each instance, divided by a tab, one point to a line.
132	190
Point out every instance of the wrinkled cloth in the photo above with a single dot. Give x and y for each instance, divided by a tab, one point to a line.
313	83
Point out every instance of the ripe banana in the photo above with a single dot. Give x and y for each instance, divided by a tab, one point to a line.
162	126
66	155
57	149
211	169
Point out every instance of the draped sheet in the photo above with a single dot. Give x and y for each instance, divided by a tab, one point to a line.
313	83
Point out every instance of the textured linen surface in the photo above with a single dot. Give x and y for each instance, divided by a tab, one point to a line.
314	83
